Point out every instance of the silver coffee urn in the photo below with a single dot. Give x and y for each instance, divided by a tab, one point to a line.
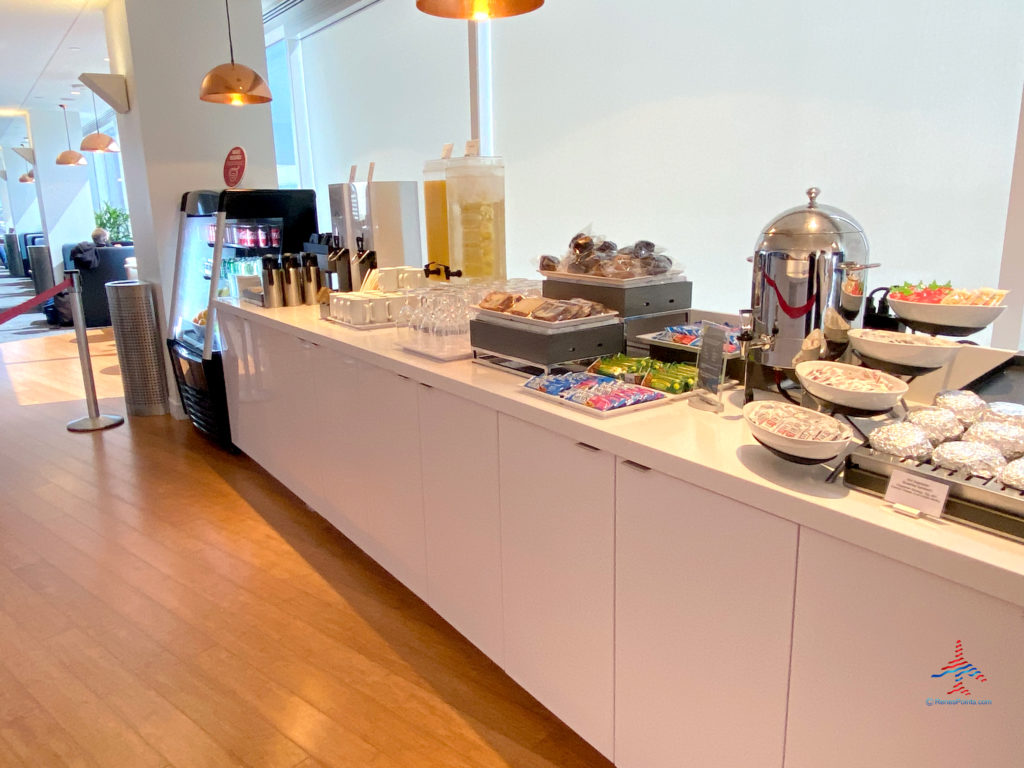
807	287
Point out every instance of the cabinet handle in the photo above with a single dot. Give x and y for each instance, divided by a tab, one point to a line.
308	344
403	376
589	447
426	386
635	465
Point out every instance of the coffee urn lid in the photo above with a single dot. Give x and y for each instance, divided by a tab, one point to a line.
813	227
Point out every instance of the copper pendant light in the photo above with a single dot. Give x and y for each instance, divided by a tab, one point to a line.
69	156
29	176
477	10
233	83
98	142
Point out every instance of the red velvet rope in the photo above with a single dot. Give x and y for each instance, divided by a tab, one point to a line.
25	306
793	312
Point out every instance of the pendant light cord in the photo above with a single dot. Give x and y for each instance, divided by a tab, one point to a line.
231	45
96	112
64	109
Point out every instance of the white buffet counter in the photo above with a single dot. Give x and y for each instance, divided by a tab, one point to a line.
672	591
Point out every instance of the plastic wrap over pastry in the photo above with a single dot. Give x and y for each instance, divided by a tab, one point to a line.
974	458
1010	413
1013	474
906	440
966	405
1008	439
940	424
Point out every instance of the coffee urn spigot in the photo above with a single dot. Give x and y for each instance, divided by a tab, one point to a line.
750	341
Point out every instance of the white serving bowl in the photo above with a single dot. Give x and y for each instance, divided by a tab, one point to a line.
933	353
821	450
950	315
865	401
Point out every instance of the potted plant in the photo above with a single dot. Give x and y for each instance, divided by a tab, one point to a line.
116	222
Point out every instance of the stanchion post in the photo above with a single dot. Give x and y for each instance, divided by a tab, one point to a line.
95	420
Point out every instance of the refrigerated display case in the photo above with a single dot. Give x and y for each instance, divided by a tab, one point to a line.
222	236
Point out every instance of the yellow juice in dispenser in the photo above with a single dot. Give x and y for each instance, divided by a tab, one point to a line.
476	216
435	209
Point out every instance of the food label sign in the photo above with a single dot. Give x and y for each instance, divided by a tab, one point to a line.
710	366
234	167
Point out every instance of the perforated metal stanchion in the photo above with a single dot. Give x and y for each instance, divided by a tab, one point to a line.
95	420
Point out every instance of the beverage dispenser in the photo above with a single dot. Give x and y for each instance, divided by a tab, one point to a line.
476	216
377	223
807	283
393	223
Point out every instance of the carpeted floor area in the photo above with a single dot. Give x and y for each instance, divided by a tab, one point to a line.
13	291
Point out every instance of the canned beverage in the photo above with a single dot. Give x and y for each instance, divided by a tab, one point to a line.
275	237
211	233
261	237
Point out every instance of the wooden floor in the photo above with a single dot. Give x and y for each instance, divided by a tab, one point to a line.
163	603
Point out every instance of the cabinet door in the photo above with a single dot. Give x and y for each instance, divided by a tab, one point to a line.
704	602
876	648
558	570
288	414
344	466
250	378
459	442
394	533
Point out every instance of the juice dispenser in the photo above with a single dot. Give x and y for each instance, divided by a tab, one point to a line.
476	216
435	209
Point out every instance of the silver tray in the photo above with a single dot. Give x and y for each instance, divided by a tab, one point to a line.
544	326
672	276
649	338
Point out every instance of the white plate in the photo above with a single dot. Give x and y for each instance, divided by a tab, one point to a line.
672	276
505	318
805	449
953	315
867	401
920	355
603	414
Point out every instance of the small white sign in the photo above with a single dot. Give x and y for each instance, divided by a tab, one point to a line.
924	494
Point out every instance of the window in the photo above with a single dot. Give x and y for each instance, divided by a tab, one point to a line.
281	116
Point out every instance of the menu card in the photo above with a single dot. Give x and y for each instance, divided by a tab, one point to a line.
710	367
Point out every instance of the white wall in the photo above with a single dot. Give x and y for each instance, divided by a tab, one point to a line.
388	84
171	141
24	213
694	123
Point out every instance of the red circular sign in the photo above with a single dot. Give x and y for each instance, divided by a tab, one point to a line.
234	167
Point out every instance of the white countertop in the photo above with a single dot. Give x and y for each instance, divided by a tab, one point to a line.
713	451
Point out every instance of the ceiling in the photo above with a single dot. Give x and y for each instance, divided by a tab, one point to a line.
46	44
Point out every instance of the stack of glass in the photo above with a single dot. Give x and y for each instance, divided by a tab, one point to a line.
435	320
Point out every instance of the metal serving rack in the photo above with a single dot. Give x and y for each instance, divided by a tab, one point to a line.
526	368
983	503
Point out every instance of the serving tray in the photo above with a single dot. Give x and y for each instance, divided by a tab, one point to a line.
665	400
544	326
672	276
